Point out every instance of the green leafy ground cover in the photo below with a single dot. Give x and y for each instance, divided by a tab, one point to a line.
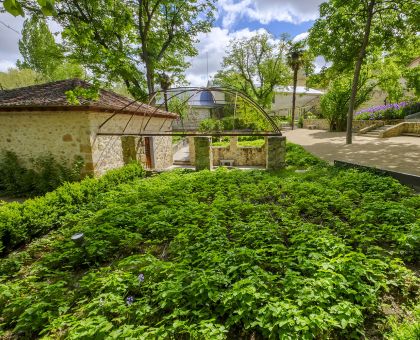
214	255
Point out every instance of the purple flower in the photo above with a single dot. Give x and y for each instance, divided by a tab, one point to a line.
141	277
129	300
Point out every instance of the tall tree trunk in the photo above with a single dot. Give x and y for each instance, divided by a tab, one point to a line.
357	69
165	95
295	76
150	75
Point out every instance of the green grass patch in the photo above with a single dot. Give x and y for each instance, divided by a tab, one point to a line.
257	143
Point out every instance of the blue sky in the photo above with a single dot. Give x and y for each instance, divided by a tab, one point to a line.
276	28
243	18
235	19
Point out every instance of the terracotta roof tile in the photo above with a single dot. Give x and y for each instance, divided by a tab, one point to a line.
52	96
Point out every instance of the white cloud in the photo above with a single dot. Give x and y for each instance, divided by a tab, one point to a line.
266	11
9	49
320	62
212	47
300	37
5	65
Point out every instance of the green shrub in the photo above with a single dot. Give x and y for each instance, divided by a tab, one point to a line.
300	122
35	217
211	125
234	123
335	102
247	141
256	143
225	124
297	156
45	175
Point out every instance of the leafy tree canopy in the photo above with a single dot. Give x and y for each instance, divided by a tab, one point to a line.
14	78
132	41
338	33
42	54
255	66
349	31
335	103
15	7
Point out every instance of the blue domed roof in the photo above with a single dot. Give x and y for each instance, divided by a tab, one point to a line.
203	98
206	97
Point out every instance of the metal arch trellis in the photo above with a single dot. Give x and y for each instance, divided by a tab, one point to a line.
232	91
194	90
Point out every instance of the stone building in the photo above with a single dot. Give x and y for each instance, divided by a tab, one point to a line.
306	100
40	120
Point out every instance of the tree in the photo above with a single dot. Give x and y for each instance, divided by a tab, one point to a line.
255	65
133	40
14	78
42	54
298	58
350	30
335	103
395	75
15	7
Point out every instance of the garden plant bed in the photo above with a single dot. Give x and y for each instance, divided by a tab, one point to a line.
411	181
214	255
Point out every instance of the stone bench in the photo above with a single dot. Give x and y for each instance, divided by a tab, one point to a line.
312	127
226	162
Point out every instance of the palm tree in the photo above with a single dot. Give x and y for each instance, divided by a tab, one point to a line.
296	60
165	84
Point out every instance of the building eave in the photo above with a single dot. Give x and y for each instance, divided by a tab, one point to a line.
84	108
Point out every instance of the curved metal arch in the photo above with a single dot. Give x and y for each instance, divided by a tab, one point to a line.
229	90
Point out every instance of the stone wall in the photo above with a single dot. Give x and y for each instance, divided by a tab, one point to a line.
162	151
242	156
322	124
108	151
412	127
271	155
405	127
65	135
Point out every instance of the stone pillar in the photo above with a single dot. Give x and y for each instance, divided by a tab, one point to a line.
191	150
129	151
203	155
233	144
276	152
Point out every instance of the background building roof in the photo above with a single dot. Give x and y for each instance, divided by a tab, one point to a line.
52	97
299	90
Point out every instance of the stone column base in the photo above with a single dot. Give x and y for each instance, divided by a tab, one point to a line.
276	152
203	155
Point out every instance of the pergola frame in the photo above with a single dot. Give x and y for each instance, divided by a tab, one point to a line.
194	134
195	90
